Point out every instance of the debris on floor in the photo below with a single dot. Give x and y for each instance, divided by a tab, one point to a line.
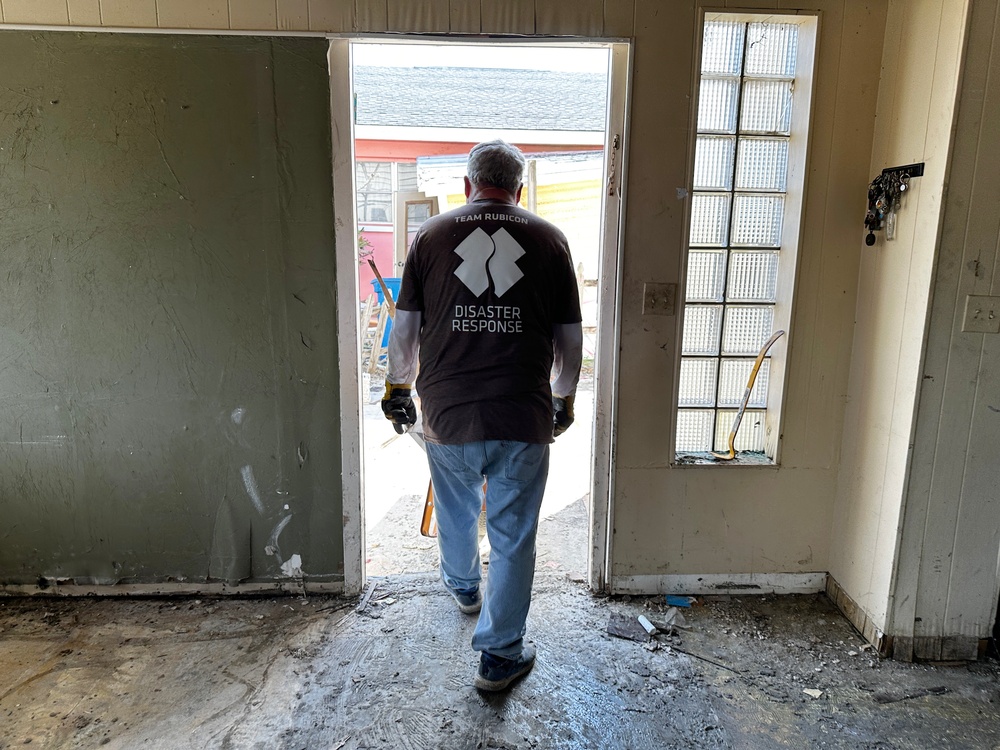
671	622
629	628
680	601
291	673
649	627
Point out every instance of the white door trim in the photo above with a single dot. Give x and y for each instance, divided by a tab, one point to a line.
348	331
609	319
609	296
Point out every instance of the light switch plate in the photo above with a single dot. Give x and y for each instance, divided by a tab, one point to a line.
982	314
658	299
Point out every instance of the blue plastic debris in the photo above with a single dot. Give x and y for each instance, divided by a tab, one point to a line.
679	601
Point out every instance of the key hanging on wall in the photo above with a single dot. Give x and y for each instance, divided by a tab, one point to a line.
885	195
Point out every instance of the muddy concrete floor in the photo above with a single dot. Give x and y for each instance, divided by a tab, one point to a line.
318	673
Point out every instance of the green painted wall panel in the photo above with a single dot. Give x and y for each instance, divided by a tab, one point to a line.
168	364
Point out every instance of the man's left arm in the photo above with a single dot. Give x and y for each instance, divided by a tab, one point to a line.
567	351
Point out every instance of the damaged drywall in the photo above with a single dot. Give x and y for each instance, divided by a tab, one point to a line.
168	386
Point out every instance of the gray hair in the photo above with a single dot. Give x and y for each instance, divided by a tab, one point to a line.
496	164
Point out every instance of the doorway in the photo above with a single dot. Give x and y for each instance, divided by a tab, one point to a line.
416	107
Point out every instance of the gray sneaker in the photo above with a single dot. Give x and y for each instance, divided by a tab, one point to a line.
496	673
469	602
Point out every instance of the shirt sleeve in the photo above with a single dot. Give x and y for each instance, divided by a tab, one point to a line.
404	347
411	293
567	350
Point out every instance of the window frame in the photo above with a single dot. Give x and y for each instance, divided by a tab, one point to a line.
792	231
394	189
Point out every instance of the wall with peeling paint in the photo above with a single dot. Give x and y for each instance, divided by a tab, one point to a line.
168	387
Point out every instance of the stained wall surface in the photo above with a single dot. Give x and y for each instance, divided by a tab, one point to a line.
752	520
168	388
666	520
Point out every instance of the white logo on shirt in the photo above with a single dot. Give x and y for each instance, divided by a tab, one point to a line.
498	252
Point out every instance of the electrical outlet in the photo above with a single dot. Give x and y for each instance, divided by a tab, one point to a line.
658	299
982	314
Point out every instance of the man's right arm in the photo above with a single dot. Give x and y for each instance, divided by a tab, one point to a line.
404	346
404	340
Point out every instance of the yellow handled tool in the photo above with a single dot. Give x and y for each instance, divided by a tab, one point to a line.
746	398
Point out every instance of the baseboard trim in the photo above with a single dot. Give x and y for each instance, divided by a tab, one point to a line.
721	583
861	620
942	648
253	589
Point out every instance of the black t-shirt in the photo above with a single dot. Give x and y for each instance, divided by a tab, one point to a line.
491	281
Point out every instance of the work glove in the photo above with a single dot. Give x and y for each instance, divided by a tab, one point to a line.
562	414
397	405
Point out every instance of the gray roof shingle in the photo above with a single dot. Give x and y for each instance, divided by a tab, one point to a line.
480	98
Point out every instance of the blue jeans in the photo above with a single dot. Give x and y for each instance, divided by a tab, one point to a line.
515	473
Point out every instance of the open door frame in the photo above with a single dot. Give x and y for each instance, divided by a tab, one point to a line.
609	319
609	300
348	324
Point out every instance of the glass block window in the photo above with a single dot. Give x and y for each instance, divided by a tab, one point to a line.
746	94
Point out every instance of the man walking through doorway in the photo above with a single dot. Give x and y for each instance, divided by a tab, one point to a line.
489	305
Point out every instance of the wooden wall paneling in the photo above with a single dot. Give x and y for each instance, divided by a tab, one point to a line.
908	264
129	13
508	17
466	17
943	319
335	16
754	5
253	14
934	85
619	18
873	369
422	16
965	355
372	15
971	605
84	12
192	14
973	356
48	12
293	14
570	17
